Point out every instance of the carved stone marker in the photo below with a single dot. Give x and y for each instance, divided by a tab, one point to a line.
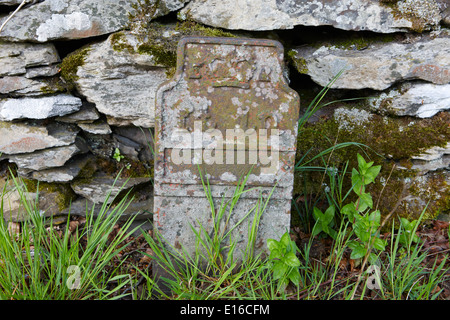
228	110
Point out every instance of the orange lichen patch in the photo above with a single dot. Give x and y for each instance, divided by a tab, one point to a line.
433	73
95	30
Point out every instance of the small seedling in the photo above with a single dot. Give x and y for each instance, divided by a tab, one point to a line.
408	235
117	156
284	262
324	222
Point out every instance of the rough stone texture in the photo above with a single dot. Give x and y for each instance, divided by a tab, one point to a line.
44	159
20	86
140	140
22	137
285	14
29	60
224	84
103	189
379	65
121	84
435	158
75	19
139	208
96	128
63	174
39	108
422	100
48	204
13	208
10	2
87	114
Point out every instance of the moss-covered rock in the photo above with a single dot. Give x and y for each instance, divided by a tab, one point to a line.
389	141
160	41
70	65
423	14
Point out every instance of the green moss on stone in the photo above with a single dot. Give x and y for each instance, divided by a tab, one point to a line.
70	64
119	43
299	63
162	55
164	48
390	141
54	85
191	28
64	194
419	12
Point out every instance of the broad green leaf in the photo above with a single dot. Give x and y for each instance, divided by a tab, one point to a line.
361	232
371	174
317	229
275	254
294	276
332	233
365	201
358	251
325	228
329	214
372	258
404	222
279	270
273	244
352	244
361	162
285	240
375	216
318	215
349	210
379	244
357	181
291	260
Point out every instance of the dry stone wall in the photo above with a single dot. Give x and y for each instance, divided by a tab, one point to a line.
78	82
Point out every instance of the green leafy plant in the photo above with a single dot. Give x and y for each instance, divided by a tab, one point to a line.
408	234
366	229
324	222
365	223
284	262
117	156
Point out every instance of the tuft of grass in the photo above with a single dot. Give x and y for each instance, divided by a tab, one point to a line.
216	270
41	263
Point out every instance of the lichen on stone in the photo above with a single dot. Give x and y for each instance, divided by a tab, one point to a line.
423	14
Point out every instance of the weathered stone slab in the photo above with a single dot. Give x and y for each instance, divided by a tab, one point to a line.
435	158
103	189
44	159
30	60
63	174
23	137
10	2
380	64
96	128
357	15
87	114
39	107
17	86
121	82
422	100
76	19
227	109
